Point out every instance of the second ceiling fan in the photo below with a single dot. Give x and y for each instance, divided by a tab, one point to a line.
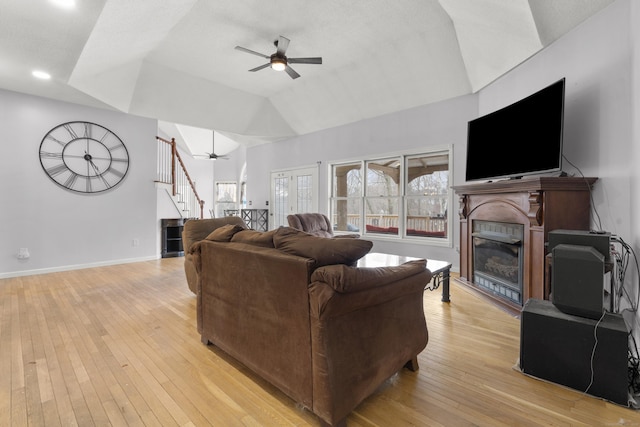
212	155
278	61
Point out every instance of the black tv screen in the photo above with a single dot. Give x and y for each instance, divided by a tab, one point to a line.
523	138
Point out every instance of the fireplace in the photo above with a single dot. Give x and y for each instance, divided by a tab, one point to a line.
503	231
497	258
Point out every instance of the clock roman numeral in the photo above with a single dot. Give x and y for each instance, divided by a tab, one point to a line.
71	180
104	180
51	137
50	155
87	130
116	172
57	169
71	131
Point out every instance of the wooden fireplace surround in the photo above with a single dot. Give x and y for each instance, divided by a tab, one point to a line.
541	204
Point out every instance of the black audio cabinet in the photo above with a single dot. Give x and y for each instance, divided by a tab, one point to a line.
558	347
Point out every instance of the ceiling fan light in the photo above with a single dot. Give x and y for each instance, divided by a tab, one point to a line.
278	64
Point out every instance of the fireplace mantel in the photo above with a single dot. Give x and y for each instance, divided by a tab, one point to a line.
540	204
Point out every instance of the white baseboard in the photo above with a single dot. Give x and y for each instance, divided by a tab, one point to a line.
75	267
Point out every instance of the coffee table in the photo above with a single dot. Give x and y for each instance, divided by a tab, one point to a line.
439	269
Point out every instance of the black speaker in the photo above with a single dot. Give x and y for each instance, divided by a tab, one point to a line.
600	241
558	347
577	283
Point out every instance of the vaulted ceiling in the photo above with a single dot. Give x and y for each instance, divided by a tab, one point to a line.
174	60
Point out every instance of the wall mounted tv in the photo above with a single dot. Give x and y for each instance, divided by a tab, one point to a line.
523	138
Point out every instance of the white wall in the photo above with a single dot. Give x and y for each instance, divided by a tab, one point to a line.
63	229
440	124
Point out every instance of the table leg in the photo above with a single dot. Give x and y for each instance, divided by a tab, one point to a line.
445	285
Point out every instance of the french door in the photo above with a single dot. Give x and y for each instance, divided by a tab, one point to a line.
292	191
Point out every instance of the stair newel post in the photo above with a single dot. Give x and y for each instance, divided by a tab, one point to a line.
201	209
173	166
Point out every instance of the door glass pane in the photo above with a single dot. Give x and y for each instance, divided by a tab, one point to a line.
304	193
280	201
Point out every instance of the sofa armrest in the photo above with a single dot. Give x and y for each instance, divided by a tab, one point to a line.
363	331
339	289
344	279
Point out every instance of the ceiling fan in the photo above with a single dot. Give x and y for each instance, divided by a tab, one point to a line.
278	61
212	155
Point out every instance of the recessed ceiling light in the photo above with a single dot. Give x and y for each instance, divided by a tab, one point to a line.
66	4
41	75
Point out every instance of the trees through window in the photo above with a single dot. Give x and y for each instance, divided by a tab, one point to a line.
402	196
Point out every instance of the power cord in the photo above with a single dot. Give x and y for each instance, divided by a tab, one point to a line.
593	351
620	294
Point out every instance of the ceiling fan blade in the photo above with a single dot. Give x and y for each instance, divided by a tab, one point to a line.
260	67
292	73
316	60
283	44
253	52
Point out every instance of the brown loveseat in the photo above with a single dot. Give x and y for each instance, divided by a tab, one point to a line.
286	305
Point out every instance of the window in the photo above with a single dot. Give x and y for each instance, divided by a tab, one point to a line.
226	199
400	196
382	196
346	203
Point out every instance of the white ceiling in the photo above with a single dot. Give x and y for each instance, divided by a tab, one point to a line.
174	60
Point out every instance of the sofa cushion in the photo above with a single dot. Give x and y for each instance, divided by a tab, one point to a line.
324	251
224	233
345	279
255	237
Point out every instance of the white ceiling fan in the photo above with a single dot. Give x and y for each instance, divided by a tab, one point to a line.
212	155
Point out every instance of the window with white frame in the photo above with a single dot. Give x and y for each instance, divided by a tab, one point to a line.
399	196
226	198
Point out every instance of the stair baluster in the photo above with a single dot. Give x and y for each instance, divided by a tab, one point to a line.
171	170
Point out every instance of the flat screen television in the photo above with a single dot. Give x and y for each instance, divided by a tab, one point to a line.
523	138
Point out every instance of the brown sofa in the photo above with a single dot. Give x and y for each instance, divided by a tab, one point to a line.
286	305
196	230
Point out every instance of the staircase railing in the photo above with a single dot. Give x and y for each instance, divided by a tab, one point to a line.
171	170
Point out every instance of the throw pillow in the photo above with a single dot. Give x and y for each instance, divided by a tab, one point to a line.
325	251
224	233
254	237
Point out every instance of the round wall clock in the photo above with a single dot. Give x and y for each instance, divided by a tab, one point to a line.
84	157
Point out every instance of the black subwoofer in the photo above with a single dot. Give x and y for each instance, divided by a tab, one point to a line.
577	284
558	347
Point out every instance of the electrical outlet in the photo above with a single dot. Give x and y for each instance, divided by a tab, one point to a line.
23	253
135	242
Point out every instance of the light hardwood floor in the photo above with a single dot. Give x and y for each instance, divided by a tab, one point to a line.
118	346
